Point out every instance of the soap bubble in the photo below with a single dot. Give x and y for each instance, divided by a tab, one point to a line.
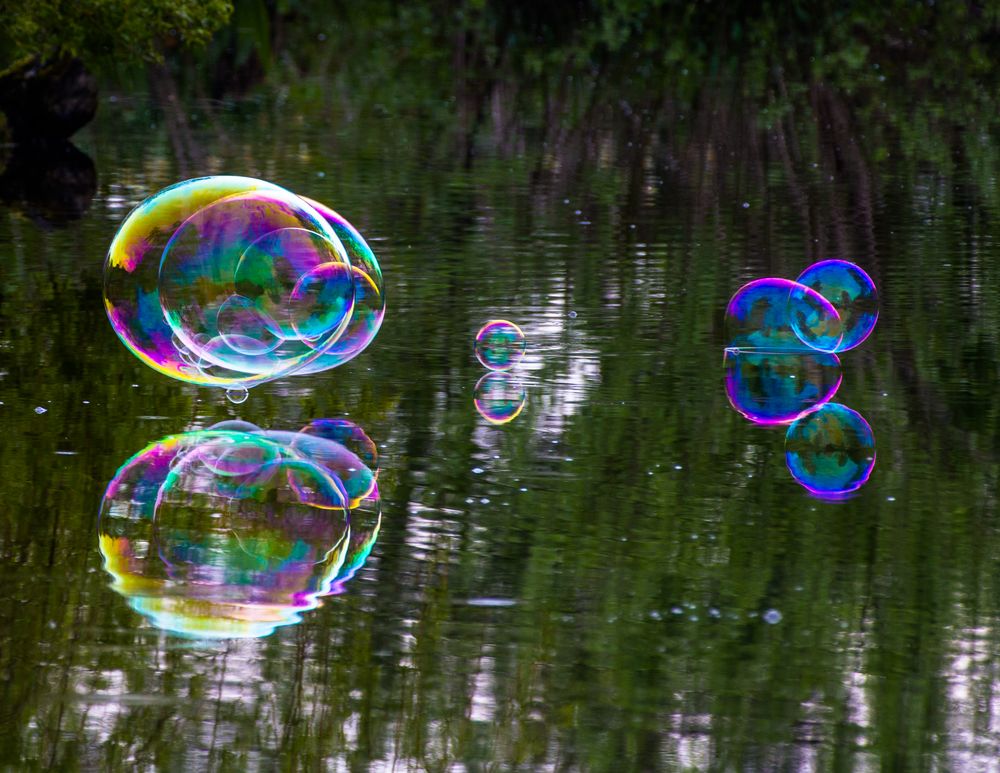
852	293
499	397
830	451
231	282
500	345
369	295
781	315
233	531
777	387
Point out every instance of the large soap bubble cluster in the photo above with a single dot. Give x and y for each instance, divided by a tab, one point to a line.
231	282
781	366
232	531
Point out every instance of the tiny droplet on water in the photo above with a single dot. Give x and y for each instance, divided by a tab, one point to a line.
40	410
572	315
772	617
237	395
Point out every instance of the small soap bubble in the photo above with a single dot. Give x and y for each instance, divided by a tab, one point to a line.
500	345
237	395
830	451
772	617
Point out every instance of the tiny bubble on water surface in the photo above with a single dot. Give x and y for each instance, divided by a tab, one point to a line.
746	205
572	315
238	395
477	470
772	616
40	410
676	611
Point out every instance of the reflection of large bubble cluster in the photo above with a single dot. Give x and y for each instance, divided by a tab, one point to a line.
231	282
233	531
781	368
831	450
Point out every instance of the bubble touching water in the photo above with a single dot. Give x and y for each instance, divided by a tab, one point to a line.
231	282
770	387
830	451
500	345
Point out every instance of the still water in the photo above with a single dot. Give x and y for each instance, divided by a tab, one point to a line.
623	576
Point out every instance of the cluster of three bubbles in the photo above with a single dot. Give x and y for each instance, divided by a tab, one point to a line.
234	531
782	367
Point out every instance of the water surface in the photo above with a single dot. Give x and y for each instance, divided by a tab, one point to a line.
625	576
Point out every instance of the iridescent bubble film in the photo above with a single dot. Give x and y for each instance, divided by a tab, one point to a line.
770	387
781	315
231	282
830	451
500	345
234	531
851	291
499	397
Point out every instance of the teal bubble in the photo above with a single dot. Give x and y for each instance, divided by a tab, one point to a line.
830	451
851	292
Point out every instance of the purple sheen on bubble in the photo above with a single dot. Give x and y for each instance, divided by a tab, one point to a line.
781	315
830	451
500	345
776	387
851	291
131	270
499	397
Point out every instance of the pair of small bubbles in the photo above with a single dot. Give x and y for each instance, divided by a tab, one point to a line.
499	396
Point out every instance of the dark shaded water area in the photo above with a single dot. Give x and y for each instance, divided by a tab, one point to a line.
625	576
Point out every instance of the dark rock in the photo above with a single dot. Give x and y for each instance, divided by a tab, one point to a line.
52	182
49	99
